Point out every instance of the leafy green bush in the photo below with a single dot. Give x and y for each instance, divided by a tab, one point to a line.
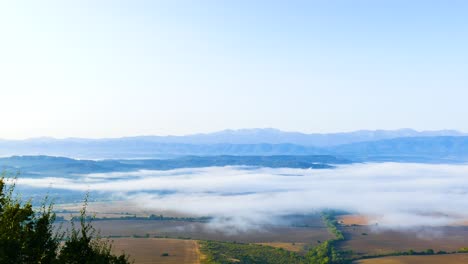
228	252
325	253
25	236
28	237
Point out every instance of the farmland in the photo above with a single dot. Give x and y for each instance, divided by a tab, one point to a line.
176	212
306	234
181	229
147	239
436	259
354	219
367	240
152	250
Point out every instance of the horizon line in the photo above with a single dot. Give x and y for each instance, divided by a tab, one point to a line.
233	130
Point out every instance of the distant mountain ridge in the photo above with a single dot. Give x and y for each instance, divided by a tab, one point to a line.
417	149
269	136
275	136
253	142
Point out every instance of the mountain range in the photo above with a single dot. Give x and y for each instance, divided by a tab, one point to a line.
363	145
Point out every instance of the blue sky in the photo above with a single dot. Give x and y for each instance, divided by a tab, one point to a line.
118	68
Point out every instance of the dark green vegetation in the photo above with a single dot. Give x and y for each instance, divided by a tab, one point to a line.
414	253
228	252
332	225
27	236
326	252
411	252
58	166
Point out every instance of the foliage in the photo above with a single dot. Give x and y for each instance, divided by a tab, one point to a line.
324	253
411	252
82	246
332	225
229	252
27	236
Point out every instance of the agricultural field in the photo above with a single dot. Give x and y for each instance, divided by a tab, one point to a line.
158	250
147	239
354	219
203	231
144	248
435	259
112	209
298	229
368	240
223	252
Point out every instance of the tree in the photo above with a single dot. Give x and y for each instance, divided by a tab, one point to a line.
83	246
27	236
429	251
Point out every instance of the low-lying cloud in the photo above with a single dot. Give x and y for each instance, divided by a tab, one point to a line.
399	195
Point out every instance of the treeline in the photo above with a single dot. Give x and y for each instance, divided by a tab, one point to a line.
27	235
330	221
327	252
413	252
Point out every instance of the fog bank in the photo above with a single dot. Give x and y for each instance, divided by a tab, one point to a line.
399	195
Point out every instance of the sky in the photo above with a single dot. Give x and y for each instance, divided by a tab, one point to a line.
125	68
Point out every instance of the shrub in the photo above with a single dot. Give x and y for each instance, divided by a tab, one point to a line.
27	236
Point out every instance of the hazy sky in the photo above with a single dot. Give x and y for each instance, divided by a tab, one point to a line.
117	68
